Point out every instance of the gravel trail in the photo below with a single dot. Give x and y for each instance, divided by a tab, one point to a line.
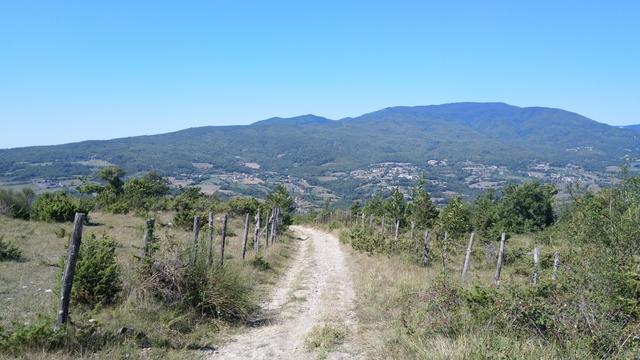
314	292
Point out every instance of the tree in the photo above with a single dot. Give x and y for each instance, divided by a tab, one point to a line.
113	176
140	193
355	209
454	218
422	210
375	206
484	214
279	197
527	207
395	205
242	205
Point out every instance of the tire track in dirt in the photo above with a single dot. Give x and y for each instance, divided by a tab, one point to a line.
316	290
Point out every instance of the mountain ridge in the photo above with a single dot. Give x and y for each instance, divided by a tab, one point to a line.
311	146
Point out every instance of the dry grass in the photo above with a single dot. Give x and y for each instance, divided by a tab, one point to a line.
382	282
325	336
29	288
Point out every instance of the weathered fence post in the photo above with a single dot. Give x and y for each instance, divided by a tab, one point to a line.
370	221
148	237
382	226
266	228
196	234
69	270
425	249
536	264
395	237
363	221
499	263
467	256
274	220
445	253
274	231
556	265
413	226
256	239
245	235
224	238
210	245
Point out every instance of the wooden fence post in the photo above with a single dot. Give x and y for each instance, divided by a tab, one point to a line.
536	264
382	227
245	235
556	265
425	249
467	256
256	239
445	253
370	221
274	220
210	245
196	234
413	226
395	237
500	257
266	228
274	233
69	270
363	221
148	237
224	238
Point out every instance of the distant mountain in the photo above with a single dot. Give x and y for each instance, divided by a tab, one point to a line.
635	127
308	146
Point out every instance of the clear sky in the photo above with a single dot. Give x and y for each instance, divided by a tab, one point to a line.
76	70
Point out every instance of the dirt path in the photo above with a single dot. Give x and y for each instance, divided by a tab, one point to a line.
316	291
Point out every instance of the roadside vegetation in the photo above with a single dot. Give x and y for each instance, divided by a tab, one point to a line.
126	302
410	306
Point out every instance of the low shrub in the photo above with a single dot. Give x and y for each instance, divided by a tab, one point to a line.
261	264
97	277
325	336
209	292
16	204
58	206
8	251
365	241
39	336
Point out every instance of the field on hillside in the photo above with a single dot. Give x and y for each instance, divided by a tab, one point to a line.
393	294
29	287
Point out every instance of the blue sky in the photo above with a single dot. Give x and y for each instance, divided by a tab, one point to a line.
76	70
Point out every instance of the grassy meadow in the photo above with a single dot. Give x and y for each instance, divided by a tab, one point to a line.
29	287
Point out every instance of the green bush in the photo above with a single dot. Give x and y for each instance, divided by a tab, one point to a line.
97	277
365	241
39	336
240	206
261	264
189	203
58	206
209	292
29	340
16	204
221	293
8	251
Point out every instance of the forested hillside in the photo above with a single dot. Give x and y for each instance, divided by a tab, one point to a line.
307	147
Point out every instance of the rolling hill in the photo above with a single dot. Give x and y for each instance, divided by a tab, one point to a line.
309	146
